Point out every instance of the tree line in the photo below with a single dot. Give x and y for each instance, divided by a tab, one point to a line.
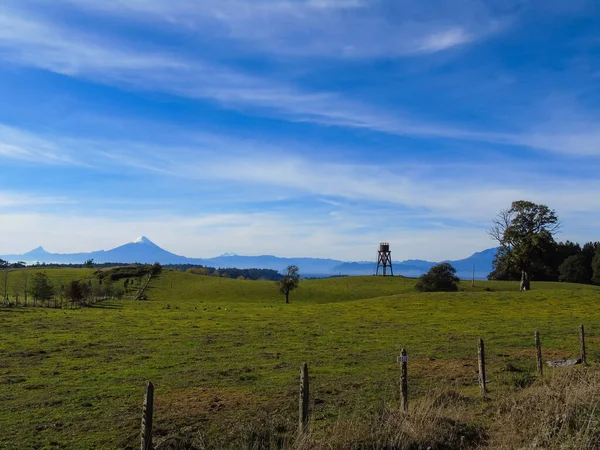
31	288
231	272
89	264
558	261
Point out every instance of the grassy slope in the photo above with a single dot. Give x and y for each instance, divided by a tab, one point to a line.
219	350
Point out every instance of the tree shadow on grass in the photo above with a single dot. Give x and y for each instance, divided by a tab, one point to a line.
13	310
107	305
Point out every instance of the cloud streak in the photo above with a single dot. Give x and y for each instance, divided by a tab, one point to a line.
317	28
250	234
22	145
13	200
31	41
237	162
428	216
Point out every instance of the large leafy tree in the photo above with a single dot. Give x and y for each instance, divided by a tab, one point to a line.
524	232
289	282
41	287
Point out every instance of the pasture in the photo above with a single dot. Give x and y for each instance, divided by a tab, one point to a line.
224	355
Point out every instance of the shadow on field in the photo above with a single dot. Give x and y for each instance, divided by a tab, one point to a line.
102	305
13	310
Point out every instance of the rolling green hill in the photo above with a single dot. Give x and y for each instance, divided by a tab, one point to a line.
225	353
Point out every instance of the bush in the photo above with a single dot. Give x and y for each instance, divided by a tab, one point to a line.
156	269
130	271
440	278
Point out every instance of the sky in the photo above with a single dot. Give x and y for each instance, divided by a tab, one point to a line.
295	127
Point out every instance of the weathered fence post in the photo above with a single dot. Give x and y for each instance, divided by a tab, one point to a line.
404	381
304	397
538	346
582	338
147	417
481	358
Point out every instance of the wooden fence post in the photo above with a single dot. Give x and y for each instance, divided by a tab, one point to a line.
147	417
538	346
582	339
481	358
404	381
304	398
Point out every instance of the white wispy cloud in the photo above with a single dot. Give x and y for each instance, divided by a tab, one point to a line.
445	39
27	40
476	200
23	145
12	200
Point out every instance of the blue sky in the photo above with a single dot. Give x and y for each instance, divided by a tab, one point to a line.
294	127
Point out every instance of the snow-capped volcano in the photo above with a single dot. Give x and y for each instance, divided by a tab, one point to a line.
143	240
142	250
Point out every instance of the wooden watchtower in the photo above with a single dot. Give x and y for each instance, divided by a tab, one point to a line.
384	259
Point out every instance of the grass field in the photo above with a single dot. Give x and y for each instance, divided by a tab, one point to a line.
224	355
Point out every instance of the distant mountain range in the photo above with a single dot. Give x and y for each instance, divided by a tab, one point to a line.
143	250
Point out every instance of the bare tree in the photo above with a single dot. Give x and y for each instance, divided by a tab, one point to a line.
22	284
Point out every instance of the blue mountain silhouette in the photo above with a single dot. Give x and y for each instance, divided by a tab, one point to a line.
143	250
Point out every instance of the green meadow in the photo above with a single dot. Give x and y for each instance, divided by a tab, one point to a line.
224	355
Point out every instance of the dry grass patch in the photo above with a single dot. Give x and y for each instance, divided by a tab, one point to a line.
562	412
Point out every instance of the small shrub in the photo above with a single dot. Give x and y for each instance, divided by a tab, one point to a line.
522	380
182	441
509	367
